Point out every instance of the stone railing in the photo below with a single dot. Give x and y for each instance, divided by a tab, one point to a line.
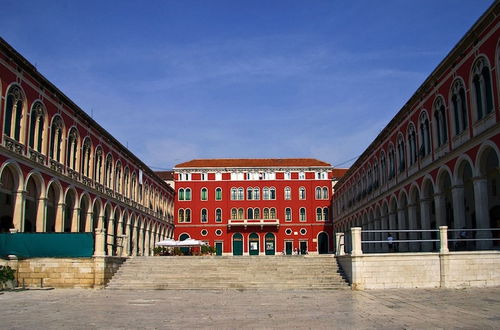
56	166
37	157
73	174
13	145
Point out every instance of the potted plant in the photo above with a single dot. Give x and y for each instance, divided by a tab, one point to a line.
7	279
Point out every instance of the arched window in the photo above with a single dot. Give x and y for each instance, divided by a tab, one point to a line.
272	193
481	84
266	213
288	193
459	105
234	213
133	187
218	194
188	194
204	217
425	138
250	193
272	213
319	214
318	193
266	193
401	154
14	113
325	193
98	165
302	214
412	145
234	194
241	194
250	213
126	183
288	214
204	194
181	194
181	215
118	177
440	122
37	125
187	216
56	132
72	147
240	213
302	193
108	171
383	168
218	215
256	193
325	214
256	213
392	163
86	149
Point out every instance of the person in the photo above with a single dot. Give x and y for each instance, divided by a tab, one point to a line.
390	243
462	235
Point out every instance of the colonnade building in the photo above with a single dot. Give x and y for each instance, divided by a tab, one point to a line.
62	172
437	161
255	206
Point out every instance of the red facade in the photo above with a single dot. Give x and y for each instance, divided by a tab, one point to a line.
255	206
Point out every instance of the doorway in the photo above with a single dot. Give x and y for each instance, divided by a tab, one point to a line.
237	244
253	244
218	248
270	244
303	247
323	243
289	247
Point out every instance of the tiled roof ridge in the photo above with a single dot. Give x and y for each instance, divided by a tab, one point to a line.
252	162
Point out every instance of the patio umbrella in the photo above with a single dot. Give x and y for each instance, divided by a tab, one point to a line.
167	242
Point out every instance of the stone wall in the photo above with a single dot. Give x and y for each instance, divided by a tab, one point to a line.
422	270
65	272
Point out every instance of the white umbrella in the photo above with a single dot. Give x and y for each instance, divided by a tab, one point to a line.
167	242
190	242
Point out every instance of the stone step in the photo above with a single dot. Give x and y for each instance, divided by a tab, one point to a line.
247	272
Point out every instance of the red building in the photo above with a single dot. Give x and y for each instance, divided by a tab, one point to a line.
255	206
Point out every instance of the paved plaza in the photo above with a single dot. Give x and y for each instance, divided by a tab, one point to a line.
389	309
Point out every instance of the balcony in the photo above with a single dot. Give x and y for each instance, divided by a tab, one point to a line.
13	145
253	223
56	166
37	157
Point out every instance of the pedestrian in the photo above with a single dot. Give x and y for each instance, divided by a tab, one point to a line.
390	242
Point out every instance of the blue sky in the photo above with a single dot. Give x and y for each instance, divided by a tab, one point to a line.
177	80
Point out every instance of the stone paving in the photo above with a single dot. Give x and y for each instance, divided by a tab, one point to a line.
388	309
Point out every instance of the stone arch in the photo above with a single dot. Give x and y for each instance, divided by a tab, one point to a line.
70	205
54	212
11	196
34	207
14	119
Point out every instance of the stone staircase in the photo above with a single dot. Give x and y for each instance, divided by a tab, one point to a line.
246	272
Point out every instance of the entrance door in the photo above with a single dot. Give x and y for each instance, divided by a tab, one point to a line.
237	244
253	244
218	248
303	247
270	249
185	250
289	248
323	243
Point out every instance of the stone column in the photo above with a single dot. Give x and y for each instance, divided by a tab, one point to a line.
119	239
443	239
412	224
18	215
339	244
59	223
100	240
41	213
147	238
126	248
356	241
88	224
75	220
482	211
134	239
141	242
403	246
110	236
425	221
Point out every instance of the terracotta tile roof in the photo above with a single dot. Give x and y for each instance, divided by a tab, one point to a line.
166	175
253	162
339	172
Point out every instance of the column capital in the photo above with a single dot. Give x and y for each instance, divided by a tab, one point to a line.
457	186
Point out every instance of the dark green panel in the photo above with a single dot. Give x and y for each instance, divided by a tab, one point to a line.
35	245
